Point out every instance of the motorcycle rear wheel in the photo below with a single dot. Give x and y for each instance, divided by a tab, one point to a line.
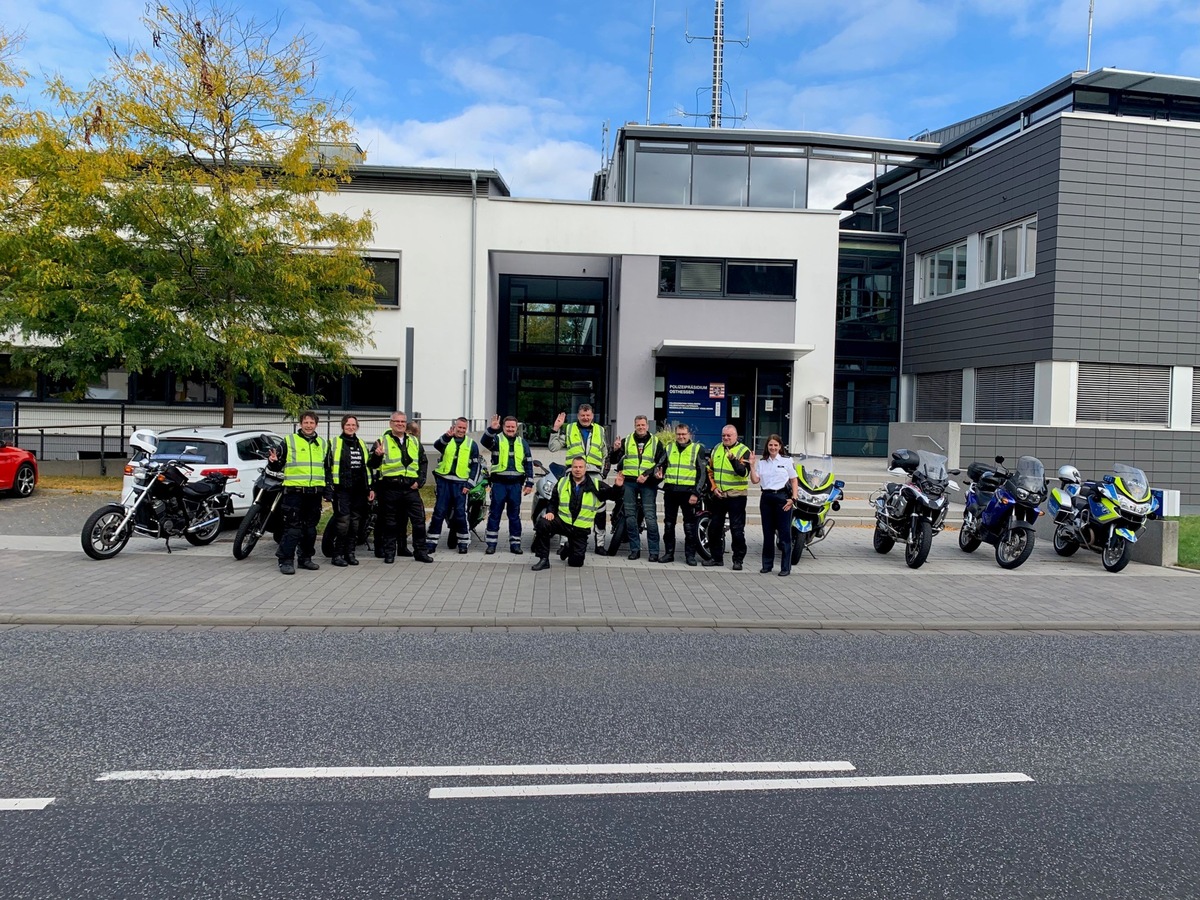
1115	555
967	542
205	536
1013	548
1063	545
703	547
916	551
882	541
99	538
247	533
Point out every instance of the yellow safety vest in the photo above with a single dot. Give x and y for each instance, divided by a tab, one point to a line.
681	465
518	446
587	508
594	453
456	459
636	463
393	459
305	464
724	478
336	464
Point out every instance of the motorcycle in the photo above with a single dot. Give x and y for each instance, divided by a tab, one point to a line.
914	511
161	504
365	535
817	494
545	480
1002	508
1106	517
262	516
477	498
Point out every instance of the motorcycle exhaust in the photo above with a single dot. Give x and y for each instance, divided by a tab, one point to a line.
213	521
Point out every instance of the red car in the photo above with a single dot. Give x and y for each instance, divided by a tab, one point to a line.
18	470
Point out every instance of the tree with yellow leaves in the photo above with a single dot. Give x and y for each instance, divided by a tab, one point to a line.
175	221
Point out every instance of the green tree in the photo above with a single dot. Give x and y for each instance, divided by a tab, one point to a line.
179	223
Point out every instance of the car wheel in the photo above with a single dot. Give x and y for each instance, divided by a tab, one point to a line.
24	481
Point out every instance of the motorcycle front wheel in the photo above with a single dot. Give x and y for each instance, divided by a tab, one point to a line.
1063	545
1115	556
247	533
882	541
205	536
799	540
916	551
101	538
1014	548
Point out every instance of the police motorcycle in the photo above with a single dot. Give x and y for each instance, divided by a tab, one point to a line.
817	493
1106	517
162	503
1002	508
913	512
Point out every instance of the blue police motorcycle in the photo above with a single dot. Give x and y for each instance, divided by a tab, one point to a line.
1002	508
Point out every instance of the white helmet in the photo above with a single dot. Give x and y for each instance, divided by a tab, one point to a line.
1070	475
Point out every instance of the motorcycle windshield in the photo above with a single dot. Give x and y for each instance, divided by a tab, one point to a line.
816	472
932	466
1132	482
1030	474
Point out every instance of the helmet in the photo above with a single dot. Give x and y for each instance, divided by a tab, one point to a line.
1070	475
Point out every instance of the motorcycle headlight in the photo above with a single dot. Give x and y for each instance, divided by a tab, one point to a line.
1022	494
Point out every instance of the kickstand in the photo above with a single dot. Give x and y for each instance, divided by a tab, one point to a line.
167	541
808	547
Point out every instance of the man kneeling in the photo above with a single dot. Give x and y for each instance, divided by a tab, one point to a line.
572	512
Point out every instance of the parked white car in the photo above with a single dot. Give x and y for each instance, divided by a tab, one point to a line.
239	453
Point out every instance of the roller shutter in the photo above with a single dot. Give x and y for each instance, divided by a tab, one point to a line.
1004	393
1135	394
939	397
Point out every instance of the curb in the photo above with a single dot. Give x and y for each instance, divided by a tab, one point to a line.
603	622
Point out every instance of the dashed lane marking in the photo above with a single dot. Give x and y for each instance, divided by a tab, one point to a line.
681	787
24	803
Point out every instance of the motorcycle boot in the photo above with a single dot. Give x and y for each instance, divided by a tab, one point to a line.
351	559
309	565
339	562
542	564
287	567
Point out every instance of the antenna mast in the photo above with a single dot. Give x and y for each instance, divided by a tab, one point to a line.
650	69
1091	12
719	40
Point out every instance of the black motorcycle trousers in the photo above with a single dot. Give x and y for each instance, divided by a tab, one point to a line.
350	510
577	539
300	513
735	508
399	501
674	503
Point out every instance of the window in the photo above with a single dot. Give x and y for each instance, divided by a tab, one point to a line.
939	397
1004	393
1009	252
386	273
1134	394
373	387
730	279
943	272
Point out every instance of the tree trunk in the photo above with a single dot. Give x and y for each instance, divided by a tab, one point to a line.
229	389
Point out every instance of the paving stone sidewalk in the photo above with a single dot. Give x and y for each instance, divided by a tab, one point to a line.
48	579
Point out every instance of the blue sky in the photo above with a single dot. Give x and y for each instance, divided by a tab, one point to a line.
525	85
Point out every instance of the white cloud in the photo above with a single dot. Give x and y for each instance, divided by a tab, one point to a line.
516	140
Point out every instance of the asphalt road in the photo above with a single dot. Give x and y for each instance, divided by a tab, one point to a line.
1104	726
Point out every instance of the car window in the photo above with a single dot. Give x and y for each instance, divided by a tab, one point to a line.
213	452
251	449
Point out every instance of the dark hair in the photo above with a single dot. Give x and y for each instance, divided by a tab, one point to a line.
773	437
587	406
309	414
347	417
462	419
511	419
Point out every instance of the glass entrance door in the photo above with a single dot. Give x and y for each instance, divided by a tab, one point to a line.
772	405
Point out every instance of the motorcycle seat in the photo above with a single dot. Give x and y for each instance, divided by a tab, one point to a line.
199	490
1079	502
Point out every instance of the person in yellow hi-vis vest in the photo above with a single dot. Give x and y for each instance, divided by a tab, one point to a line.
304	459
683	476
573	506
582	437
455	475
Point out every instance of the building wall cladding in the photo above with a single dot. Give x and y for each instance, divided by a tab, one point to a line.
1006	323
1167	457
1127	252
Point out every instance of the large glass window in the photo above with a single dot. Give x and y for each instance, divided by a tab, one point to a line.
944	271
779	181
662	177
727	279
830	180
720	180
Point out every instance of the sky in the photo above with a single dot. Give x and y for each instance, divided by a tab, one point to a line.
526	86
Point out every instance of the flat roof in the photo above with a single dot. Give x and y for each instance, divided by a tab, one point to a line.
789	138
730	350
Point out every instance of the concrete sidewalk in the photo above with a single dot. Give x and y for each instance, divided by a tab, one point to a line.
48	580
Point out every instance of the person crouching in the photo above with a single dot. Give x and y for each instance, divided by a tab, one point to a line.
573	506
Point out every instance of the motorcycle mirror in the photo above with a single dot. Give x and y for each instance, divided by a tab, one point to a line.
190	450
1000	459
954	471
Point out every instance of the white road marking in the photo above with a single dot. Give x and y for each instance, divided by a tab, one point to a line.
11	805
680	787
475	771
